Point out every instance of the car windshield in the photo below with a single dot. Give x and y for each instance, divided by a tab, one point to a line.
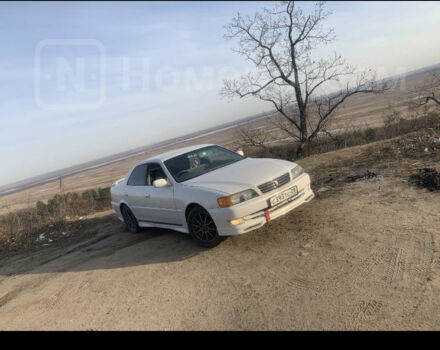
200	161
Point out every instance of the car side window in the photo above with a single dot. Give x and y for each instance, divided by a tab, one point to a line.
154	173
138	176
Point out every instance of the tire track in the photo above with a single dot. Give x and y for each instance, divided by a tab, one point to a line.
395	265
281	273
33	283
363	312
38	281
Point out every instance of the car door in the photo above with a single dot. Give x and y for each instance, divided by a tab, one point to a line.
136	191
159	202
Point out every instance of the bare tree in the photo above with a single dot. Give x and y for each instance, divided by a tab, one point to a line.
430	91
257	137
280	43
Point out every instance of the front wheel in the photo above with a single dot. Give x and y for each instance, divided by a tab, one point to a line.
130	220
202	228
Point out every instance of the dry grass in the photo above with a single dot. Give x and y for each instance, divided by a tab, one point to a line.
22	228
394	124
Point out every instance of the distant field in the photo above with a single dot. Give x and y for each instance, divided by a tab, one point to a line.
360	111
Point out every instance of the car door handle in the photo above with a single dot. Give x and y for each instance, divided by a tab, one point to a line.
147	196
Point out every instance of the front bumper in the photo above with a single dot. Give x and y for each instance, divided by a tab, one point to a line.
253	210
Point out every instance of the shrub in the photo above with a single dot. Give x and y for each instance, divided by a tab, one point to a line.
21	228
370	134
394	125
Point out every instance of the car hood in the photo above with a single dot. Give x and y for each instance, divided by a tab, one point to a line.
241	175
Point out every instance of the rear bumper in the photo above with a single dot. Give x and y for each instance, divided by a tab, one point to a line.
253	211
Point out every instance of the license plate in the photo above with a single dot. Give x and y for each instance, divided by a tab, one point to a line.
279	198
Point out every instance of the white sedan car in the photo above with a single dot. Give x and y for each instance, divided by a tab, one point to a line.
209	192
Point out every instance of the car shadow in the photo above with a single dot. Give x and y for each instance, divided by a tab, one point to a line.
101	243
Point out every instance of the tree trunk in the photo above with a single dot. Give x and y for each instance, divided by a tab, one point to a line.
303	134
299	150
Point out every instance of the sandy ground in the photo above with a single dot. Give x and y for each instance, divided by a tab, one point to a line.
362	255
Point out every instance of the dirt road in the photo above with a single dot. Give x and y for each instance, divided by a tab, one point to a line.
362	255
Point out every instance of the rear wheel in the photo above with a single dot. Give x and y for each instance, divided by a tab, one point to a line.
202	228
130	220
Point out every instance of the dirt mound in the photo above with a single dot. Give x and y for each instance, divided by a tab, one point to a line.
419	146
428	178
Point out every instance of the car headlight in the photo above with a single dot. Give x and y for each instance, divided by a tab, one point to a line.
236	198
296	171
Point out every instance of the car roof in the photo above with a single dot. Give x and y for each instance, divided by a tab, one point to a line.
173	153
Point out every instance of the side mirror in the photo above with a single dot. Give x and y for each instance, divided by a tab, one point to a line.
160	183
240	152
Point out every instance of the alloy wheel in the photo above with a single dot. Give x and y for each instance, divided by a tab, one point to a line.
203	228
129	219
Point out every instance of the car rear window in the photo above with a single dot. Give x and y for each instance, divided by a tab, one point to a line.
138	176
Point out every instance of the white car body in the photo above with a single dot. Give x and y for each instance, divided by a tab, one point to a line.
168	206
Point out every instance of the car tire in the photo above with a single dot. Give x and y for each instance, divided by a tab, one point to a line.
202	228
130	221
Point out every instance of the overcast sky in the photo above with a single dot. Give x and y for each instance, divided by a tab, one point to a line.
82	80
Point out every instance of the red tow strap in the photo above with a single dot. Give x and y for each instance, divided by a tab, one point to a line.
267	215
